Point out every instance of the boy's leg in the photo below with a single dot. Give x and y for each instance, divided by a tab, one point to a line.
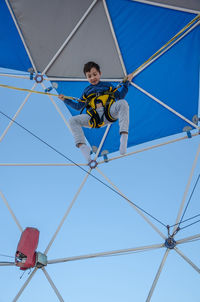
76	123
120	110
85	149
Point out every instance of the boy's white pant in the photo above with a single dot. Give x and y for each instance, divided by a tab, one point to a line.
119	110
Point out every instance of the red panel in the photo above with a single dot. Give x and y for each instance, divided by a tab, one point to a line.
26	249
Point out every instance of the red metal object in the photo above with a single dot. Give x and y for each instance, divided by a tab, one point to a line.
25	256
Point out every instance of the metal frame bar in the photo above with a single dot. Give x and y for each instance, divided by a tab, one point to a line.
14	76
188	239
102	141
108	253
40	165
17	113
114	37
57	109
70	36
21	36
25	285
187	187
149	148
100	162
187	260
11	212
53	285
66	214
7	263
157	276
168	6
81	79
136	209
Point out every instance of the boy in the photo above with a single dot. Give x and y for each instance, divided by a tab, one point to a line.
99	100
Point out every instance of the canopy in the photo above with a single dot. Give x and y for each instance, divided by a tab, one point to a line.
121	38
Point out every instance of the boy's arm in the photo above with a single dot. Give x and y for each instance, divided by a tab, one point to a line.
72	104
120	94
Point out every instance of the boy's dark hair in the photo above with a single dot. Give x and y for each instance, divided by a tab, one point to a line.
89	65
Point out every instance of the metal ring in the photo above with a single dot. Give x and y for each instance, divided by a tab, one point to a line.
92	164
39	78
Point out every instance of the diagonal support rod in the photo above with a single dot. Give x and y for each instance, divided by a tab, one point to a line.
11	211
109	253
187	260
53	285
187	187
7	263
25	285
165	105
157	276
188	239
67	213
20	34
136	209
17	113
70	36
114	38
57	109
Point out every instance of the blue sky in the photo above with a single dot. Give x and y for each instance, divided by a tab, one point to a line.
100	220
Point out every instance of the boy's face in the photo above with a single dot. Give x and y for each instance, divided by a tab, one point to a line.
93	76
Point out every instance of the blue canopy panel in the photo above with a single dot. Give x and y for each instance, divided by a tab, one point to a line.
12	53
173	78
142	29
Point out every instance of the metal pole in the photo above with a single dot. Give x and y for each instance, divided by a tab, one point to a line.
25	284
53	285
66	214
157	276
11	212
187	260
187	187
109	253
136	209
17	113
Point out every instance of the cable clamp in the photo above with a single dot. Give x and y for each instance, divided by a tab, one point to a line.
31	71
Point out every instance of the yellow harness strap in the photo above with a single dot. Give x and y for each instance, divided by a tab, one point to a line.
107	99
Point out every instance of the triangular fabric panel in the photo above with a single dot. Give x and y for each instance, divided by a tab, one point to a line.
46	25
147	30
12	52
93	41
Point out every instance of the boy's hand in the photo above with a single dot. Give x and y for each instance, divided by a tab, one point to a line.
61	97
130	77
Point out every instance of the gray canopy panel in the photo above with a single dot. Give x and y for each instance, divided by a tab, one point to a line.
45	34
